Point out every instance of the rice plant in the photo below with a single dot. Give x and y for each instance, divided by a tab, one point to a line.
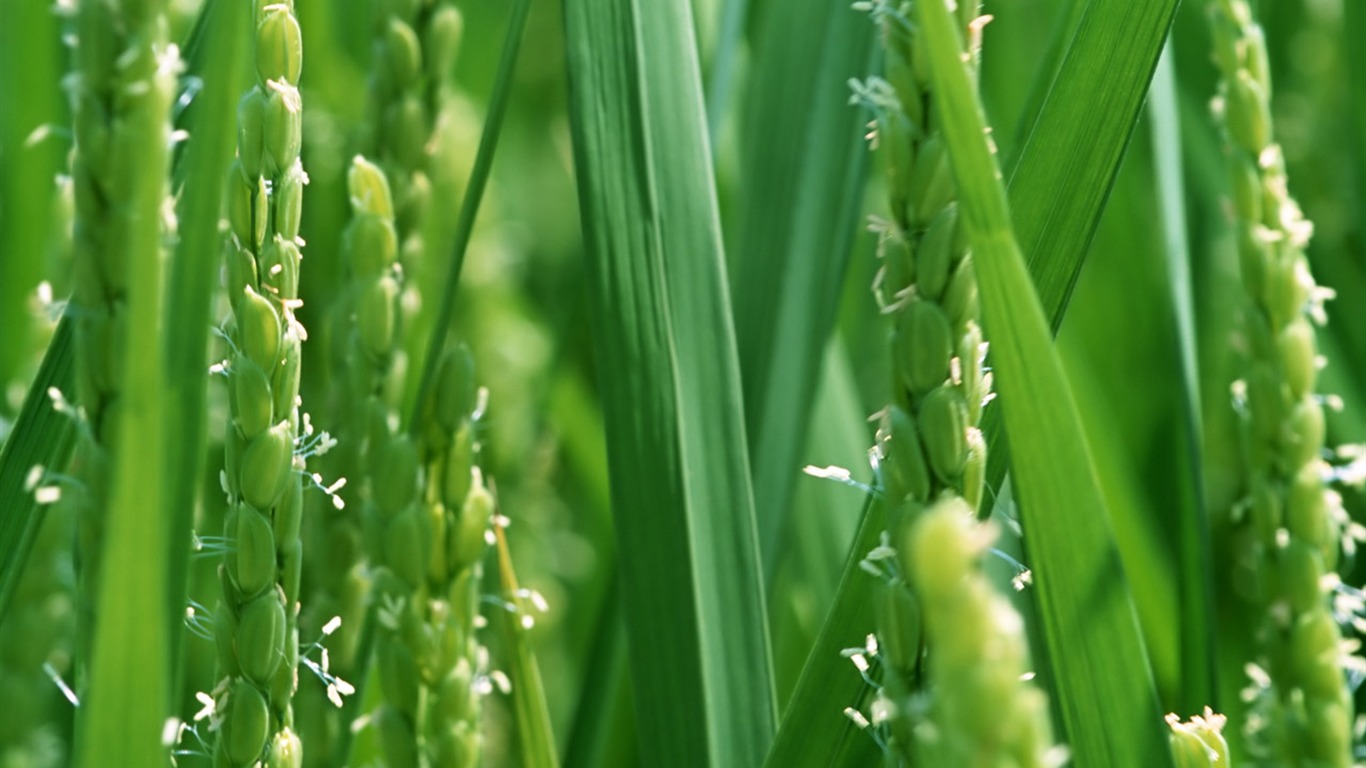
548	416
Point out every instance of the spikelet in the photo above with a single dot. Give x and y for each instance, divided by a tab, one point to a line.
1300	705
930	453
257	623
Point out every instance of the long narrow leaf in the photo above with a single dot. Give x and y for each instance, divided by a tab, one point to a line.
684	513
814	730
1196	588
41	438
1066	170
216	54
802	171
1102	677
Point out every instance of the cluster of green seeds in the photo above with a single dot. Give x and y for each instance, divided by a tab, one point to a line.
256	625
415	50
1302	709
954	651
415	47
368	321
121	98
430	516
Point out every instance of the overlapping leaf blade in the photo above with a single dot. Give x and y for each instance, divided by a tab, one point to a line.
1101	676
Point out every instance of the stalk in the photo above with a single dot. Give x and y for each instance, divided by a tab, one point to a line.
949	643
256	624
121	102
1290	524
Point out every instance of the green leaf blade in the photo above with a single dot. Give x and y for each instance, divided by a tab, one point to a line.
671	394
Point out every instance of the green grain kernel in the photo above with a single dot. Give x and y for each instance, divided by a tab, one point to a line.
369	189
372	245
241	202
267	466
283	127
289	513
1249	113
285	386
1314	650
456	479
261	638
1247	189
1305	433
251	398
1300	571
258	329
248	726
408	127
453	696
376	316
255	552
443	41
898	621
1296	346
1306	509
924	347
943	431
469	542
251	120
455	389
1330	732
960	299
930	186
935	256
241	267
904	469
289	201
279	46
403	54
